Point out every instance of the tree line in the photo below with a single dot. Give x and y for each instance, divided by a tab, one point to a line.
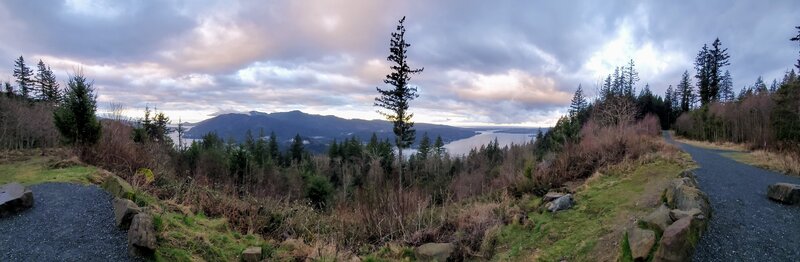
761	115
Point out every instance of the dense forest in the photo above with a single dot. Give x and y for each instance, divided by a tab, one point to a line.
365	191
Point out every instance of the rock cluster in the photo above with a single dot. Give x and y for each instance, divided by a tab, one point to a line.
680	221
129	216
14	197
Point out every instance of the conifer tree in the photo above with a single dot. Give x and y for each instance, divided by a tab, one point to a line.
75	118
47	84
726	93
578	102
396	99
296	150
272	146
631	76
797	38
424	146
439	146
685	92
23	75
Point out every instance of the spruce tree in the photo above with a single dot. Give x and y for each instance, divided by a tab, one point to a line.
703	75
760	87
23	75
718	58
75	118
797	38
296	150
578	102
272	147
47	84
439	146
396	99
685	92
726	93
630	78
424	146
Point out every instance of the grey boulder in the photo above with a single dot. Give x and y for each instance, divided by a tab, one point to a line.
785	193
124	211
435	251
142	236
14	197
562	203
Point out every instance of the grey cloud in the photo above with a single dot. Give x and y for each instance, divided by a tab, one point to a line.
320	54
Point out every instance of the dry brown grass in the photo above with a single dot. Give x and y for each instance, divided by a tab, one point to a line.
786	163
712	145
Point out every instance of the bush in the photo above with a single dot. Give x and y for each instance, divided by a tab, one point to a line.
319	191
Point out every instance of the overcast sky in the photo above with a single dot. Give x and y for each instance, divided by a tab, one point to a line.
511	63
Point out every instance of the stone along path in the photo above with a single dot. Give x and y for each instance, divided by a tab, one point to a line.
745	225
67	222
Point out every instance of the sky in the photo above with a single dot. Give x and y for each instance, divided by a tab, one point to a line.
486	62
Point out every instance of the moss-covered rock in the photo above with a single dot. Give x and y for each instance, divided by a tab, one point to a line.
118	187
679	240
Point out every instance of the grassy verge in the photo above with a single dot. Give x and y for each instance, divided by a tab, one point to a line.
590	230
195	237
779	162
713	145
783	163
35	170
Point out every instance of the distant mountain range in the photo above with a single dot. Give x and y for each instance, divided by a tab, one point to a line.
318	130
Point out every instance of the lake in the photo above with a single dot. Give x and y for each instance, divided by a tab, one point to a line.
463	146
455	148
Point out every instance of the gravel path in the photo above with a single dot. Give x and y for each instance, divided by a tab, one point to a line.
68	222
745	225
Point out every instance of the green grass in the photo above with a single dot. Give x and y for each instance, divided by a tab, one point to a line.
35	171
193	237
574	234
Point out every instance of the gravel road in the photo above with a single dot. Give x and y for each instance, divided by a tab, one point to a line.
68	222
745	225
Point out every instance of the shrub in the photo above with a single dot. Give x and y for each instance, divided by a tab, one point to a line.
319	191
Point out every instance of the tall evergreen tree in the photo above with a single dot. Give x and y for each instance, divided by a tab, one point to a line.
605	89
424	146
718	58
75	118
703	75
709	63
760	87
726	93
23	75
439	146
578	102
774	86
396	99
297	149
797	38
631	76
47	84
272	147
685	91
